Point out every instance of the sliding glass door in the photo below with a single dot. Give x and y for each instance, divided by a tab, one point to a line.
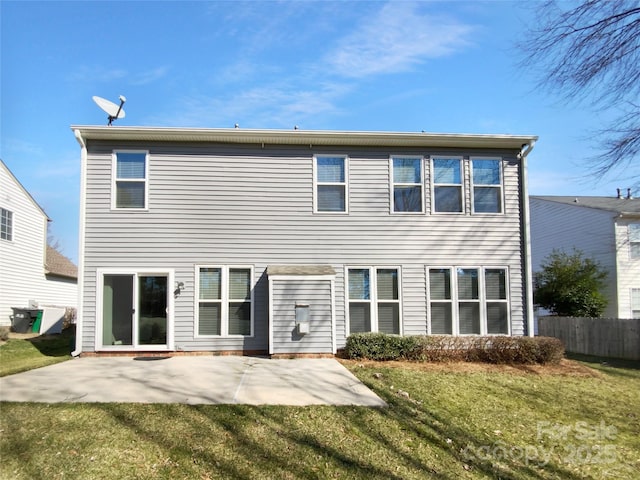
135	310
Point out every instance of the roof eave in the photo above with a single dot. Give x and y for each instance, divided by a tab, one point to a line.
305	137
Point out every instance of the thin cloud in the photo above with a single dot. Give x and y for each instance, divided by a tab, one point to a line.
150	76
396	39
99	74
93	74
277	105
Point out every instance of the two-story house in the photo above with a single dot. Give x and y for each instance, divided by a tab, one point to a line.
286	242
606	229
31	273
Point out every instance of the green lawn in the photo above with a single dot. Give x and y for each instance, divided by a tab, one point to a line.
443	421
20	355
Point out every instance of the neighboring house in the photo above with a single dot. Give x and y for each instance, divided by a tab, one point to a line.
31	273
286	242
606	229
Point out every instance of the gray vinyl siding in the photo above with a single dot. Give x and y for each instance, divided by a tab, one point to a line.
315	293
216	204
565	227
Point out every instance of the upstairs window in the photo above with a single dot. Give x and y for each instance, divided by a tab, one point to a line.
407	185
130	184
6	224
634	240
447	185
331	184
487	185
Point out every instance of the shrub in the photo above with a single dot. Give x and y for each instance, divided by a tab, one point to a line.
488	349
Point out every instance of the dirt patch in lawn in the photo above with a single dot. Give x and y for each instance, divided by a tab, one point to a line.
565	367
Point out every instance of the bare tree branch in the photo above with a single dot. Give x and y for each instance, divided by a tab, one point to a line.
590	53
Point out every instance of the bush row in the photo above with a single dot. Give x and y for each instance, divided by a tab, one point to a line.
436	348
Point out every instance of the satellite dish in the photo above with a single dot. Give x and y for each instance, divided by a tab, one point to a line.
114	111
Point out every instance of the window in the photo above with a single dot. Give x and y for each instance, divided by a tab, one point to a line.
441	305
634	240
224	301
331	184
447	185
6	224
487	185
471	302
374	300
130	184
407	185
635	303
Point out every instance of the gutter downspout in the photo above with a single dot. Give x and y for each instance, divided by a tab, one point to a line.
528	270
83	188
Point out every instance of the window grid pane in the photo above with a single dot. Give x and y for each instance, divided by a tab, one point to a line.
387	280
440	284
239	284
129	194
441	318
209	318
330	169
359	317
407	199
331	198
447	171
407	170
497	318
468	283
486	172
210	284
469	318
240	318
487	200
495	284
130	165
389	318
359	286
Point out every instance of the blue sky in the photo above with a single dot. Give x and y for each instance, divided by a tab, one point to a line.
393	66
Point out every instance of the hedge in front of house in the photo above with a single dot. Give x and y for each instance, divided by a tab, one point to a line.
443	348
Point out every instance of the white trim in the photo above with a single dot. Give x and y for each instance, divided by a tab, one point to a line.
135	273
224	301
345	183
114	180
270	319
526	225
334	348
81	244
472	185
392	184
461	185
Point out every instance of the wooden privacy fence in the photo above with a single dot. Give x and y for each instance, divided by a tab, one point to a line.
602	337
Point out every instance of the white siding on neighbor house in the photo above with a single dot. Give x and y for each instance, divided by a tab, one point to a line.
628	268
22	272
565	227
244	205
286	294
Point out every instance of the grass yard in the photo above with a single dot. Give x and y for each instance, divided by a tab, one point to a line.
22	354
444	421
